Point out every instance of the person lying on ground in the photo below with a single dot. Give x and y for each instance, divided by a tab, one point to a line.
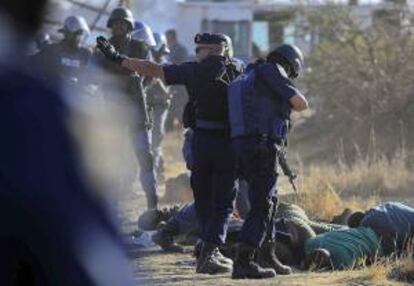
342	249
393	222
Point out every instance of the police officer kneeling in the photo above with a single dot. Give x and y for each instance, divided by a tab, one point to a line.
213	170
260	103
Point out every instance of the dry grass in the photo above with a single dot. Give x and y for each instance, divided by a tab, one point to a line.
325	190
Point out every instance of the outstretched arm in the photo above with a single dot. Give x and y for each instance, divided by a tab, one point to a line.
143	67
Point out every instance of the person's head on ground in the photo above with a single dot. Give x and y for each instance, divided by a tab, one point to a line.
355	219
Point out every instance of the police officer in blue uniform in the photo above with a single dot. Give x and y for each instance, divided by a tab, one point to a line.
66	61
213	171
53	230
260	103
133	39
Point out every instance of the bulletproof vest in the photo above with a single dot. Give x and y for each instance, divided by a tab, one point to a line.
127	47
255	110
209	90
67	63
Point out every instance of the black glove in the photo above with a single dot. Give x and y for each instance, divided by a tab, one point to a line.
109	51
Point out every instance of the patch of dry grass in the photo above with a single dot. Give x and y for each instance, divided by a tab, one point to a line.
326	190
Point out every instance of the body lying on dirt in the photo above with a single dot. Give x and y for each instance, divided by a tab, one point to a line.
393	222
179	222
341	249
308	244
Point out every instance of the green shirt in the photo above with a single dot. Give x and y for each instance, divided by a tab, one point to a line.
348	247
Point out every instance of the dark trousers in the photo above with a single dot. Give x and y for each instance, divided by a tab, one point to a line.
213	182
256	163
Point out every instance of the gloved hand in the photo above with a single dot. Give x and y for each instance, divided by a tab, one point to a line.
109	51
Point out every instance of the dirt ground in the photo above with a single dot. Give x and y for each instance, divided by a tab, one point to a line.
151	266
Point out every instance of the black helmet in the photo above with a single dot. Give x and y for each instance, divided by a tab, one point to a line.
289	55
121	13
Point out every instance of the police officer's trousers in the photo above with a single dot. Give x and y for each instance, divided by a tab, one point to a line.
142	147
213	182
159	116
257	165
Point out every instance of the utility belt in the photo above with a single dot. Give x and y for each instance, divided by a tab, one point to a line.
211	125
265	138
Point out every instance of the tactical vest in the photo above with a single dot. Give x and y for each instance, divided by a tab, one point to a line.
67	63
209	89
255	110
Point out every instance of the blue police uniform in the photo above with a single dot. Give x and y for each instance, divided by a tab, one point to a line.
60	62
132	86
259	121
52	228
213	169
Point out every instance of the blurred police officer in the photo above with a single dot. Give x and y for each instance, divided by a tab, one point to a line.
213	170
66	59
42	40
158	102
260	104
178	55
53	230
134	39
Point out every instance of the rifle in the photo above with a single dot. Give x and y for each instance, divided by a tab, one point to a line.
141	99
287	171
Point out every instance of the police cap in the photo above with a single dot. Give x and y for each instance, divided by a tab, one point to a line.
211	39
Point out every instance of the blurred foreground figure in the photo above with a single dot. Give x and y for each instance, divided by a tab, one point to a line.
53	230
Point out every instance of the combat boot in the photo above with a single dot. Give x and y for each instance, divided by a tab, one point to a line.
208	262
267	258
246	268
220	257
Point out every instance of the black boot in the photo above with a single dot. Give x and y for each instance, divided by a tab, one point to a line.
246	267
267	258
209	263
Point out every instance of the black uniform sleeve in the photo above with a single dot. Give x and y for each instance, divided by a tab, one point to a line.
278	82
179	74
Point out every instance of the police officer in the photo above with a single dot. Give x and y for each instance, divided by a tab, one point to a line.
213	170
66	59
259	116
42	40
158	103
133	39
